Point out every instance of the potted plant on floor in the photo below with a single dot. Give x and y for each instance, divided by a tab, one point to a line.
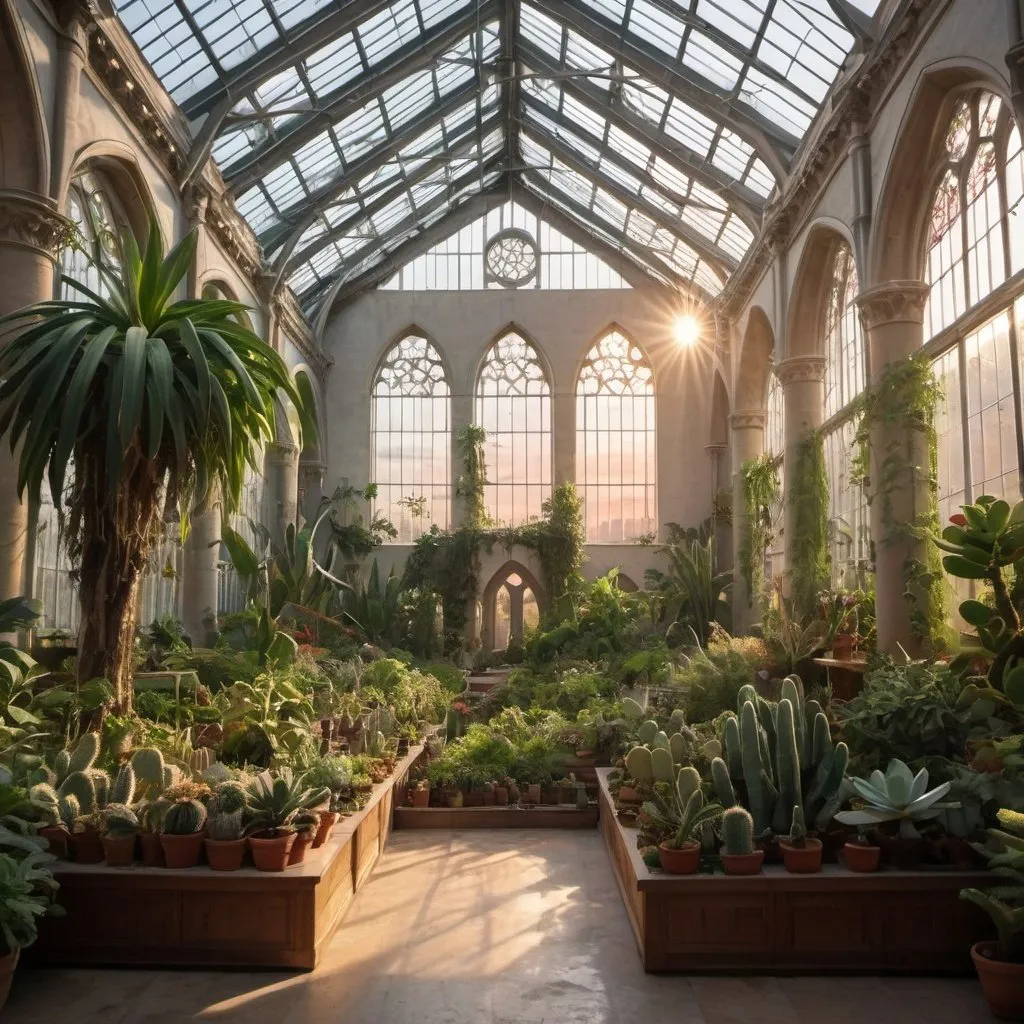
224	842
1000	963
273	804
801	854
27	889
306	824
120	835
419	793
738	854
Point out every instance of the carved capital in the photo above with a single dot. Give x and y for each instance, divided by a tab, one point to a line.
801	370
894	302
32	221
748	419
282	451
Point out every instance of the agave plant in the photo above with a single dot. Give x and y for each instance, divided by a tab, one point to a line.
274	802
898	795
155	403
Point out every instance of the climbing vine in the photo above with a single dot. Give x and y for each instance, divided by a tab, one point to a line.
900	409
807	495
759	495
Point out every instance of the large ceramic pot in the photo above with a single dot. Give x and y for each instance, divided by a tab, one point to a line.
680	860
119	850
7	965
225	854
328	819
1001	981
453	797
743	863
181	851
270	851
802	860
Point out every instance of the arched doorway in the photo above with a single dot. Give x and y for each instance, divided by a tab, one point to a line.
512	601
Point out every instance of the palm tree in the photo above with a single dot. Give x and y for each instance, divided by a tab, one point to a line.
156	404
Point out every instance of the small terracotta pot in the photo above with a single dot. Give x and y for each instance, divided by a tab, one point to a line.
514	796
225	854
628	795
772	851
501	796
303	841
860	857
119	850
842	647
1002	982
152	851
270	852
328	819
682	860
181	851
743	863
57	837
626	816
419	797
86	847
802	860
7	965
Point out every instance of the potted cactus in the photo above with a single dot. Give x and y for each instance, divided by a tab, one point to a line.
1000	962
273	803
306	825
225	845
801	854
861	855
738	854
181	832
120	835
679	853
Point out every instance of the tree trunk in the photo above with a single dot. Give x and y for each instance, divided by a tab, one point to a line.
114	537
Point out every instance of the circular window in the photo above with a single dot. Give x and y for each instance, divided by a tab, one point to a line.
510	258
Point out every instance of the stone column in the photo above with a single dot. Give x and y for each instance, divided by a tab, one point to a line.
282	476
563	432
311	489
747	443
803	384
31	232
72	42
200	578
462	416
893	319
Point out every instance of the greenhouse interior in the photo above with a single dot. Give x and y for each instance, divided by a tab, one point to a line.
511	511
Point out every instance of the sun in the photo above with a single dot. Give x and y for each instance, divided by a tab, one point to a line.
686	330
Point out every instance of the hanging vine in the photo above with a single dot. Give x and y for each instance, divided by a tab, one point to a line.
807	495
901	409
759	496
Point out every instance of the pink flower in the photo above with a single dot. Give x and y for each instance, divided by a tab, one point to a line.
958	519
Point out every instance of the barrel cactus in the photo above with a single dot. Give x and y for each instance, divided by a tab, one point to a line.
223	826
230	797
184	818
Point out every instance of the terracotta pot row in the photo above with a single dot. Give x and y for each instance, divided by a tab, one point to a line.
799	860
269	852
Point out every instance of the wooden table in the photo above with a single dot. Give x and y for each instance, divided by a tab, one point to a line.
846	675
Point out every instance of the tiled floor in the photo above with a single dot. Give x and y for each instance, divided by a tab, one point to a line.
498	927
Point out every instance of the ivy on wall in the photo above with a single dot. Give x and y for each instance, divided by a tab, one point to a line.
901	409
759	494
807	496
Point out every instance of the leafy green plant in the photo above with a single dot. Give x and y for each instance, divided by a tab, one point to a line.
17	669
151	401
693	586
27	891
807	496
760	495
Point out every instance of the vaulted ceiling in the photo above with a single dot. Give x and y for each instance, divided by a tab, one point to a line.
356	134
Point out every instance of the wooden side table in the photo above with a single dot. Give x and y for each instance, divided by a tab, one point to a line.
846	676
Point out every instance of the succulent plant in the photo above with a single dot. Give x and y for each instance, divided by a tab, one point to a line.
120	821
230	797
798	828
898	795
639	765
81	786
68	810
724	788
737	831
274	802
148	765
306	821
123	790
223	826
184	818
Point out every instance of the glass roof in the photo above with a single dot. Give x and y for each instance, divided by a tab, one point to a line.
349	131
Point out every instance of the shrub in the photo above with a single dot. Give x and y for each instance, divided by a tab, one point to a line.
712	677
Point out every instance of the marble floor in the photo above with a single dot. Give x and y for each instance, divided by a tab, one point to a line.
504	927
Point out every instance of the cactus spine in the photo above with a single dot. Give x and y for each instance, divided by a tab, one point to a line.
737	832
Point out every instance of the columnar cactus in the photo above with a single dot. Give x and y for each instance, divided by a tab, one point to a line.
788	764
83	757
68	810
123	790
184	817
80	786
737	832
724	790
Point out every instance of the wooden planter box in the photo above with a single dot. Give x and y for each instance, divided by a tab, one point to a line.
561	816
202	918
835	921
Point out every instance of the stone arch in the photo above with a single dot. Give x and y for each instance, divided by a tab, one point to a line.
626	584
411	330
24	141
118	165
808	305
489	600
897	251
754	366
513	328
596	339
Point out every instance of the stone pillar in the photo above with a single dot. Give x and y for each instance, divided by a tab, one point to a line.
803	384
747	443
462	416
311	489
31	232
72	42
563	432
282	476
200	578
1015	56
893	319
